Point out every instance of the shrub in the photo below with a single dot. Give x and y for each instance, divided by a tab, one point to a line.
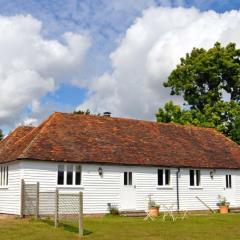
113	210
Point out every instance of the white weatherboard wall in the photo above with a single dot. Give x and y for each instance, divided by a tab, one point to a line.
209	190
99	191
10	195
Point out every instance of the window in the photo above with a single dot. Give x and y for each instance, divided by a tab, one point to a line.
228	181
60	174
195	178
127	178
69	175
3	176
167	177
78	175
164	177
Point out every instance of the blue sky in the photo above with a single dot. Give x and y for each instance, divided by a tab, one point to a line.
105	22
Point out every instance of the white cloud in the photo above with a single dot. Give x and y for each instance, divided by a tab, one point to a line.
148	52
30	122
31	66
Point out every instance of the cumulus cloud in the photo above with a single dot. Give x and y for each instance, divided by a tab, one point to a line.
31	66
147	54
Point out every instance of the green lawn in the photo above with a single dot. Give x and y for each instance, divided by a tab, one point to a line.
119	228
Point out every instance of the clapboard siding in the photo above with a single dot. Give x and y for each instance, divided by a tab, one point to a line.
43	172
207	192
237	188
10	196
146	184
100	191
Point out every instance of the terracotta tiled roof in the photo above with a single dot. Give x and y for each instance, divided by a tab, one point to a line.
13	137
95	139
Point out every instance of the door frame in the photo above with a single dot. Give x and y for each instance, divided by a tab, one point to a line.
128	192
229	193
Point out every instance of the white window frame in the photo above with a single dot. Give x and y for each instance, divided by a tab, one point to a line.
164	178
195	186
4	176
65	185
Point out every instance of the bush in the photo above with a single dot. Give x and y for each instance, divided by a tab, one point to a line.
113	210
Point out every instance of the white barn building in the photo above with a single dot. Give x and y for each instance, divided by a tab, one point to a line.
120	161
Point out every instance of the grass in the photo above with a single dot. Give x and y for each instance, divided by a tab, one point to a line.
214	227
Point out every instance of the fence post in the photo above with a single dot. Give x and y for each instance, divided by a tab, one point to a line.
80	214
56	208
22	199
37	200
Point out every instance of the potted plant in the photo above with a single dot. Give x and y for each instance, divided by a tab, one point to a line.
223	205
153	208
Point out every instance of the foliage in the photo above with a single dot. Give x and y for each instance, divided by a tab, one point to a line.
86	112
224	116
82	112
151	203
1	135
222	201
113	210
204	78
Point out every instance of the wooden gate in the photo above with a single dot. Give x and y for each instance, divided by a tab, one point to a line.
29	199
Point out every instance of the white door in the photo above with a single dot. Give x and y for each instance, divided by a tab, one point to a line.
229	192
128	191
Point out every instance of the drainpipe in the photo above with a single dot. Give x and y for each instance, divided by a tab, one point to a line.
177	181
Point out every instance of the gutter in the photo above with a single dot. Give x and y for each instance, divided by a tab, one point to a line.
177	182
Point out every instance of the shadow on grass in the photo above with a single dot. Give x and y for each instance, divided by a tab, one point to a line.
67	227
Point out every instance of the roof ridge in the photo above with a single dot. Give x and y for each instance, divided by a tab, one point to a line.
137	120
41	127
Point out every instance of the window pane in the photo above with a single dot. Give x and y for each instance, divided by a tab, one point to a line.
230	181
160	177
167	177
60	175
227	181
130	178
69	175
4	176
191	173
125	178
7	177
198	174
78	175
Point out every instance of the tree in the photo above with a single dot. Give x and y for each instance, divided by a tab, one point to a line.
86	112
1	135
204	75
204	78
224	116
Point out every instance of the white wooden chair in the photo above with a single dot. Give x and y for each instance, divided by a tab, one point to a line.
168	211
184	215
148	216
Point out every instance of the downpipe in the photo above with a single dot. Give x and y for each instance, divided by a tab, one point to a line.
177	183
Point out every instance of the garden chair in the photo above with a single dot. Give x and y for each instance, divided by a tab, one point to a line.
148	216
168	211
184	215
